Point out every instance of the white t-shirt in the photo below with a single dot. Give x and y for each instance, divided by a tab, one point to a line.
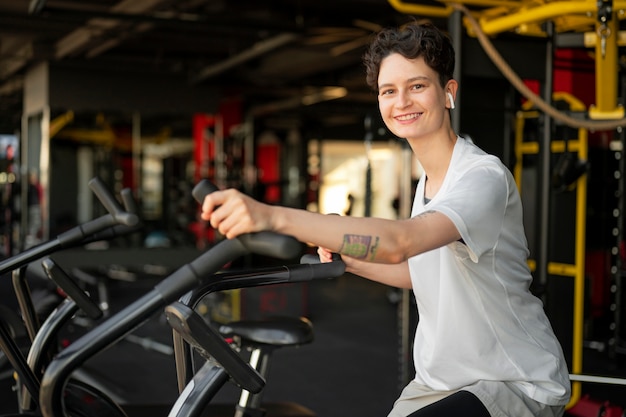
477	318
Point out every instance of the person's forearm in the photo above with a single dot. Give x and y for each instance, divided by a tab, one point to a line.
365	239
395	275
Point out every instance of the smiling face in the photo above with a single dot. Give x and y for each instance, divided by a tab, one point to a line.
411	100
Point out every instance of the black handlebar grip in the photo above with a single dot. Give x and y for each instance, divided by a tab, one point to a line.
315	259
100	190
202	189
271	244
69	286
328	270
111	204
309	258
262	243
325	270
130	205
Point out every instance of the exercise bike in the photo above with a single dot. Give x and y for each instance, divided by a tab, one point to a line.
255	339
82	398
204	270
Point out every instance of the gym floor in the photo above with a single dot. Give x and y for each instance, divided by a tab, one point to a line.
352	367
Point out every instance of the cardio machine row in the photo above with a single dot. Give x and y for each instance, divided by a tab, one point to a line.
46	386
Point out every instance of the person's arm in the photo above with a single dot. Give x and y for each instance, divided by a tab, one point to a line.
395	275
362	238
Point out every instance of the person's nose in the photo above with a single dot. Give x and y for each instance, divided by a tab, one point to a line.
403	100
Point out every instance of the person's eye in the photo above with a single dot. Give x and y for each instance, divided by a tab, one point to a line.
417	86
385	92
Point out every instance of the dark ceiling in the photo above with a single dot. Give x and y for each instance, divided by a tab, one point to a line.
275	51
283	58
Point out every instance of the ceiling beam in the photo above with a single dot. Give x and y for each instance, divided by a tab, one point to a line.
255	51
97	27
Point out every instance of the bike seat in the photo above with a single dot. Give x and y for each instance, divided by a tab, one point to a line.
275	331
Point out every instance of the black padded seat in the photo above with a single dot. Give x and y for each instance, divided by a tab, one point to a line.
274	331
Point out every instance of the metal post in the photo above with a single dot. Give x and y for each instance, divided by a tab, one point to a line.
545	154
404	310
456	33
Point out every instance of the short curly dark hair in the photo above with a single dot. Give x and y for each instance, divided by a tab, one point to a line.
411	41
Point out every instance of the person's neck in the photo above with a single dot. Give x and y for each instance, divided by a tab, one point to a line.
434	153
435	156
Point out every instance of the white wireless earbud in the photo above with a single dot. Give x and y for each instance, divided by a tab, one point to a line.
451	100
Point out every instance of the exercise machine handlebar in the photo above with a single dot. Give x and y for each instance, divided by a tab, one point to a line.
167	291
114	208
206	340
80	234
71	289
122	229
202	189
117	215
309	269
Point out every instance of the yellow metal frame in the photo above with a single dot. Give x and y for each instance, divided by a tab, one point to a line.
224	310
58	123
576	270
524	17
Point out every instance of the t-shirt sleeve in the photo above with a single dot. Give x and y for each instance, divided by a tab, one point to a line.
476	204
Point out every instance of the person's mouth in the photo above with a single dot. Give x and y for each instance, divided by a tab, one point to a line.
408	117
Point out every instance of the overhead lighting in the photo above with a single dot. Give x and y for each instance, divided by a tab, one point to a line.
309	97
36	6
325	94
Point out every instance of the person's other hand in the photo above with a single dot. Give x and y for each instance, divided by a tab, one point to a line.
325	255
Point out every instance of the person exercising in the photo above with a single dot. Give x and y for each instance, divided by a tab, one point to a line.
483	344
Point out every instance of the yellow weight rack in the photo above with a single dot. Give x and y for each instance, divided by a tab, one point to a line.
576	270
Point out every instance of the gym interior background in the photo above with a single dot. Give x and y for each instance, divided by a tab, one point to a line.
269	96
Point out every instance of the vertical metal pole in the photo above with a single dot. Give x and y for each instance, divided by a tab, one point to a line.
249	167
545	153
136	146
369	136
576	366
27	132
404	310
617	288
607	63
220	156
509	120
42	163
617	267
456	34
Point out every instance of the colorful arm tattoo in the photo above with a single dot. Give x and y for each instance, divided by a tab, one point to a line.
359	246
